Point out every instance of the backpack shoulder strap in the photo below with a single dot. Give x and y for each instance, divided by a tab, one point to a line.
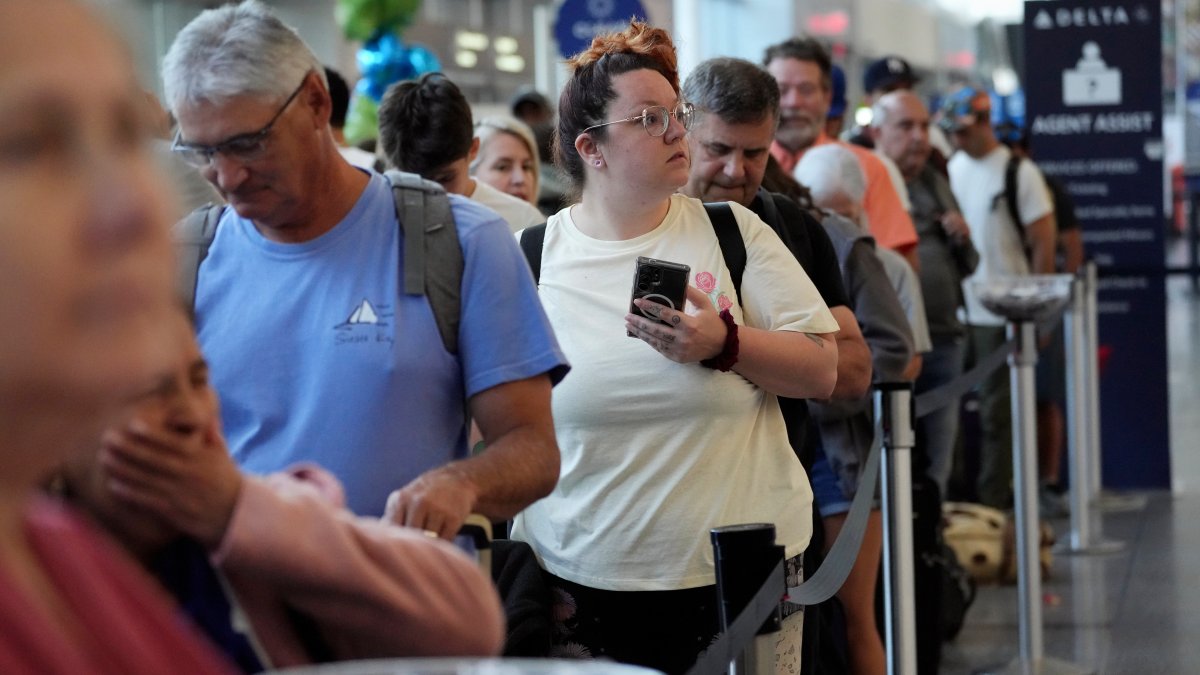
770	211
532	239
733	247
1010	198
433	259
193	237
1010	190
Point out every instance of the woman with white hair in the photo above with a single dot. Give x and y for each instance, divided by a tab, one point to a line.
507	157
835	177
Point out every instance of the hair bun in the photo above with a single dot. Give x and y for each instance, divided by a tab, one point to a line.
639	38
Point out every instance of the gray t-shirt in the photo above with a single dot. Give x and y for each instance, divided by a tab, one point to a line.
944	262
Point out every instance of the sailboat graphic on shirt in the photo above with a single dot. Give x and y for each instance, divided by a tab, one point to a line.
364	313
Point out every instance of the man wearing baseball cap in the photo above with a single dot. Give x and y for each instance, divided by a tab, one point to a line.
894	73
977	179
886	75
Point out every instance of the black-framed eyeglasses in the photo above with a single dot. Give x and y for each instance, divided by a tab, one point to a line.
243	147
657	118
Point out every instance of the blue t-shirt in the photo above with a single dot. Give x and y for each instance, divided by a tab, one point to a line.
318	355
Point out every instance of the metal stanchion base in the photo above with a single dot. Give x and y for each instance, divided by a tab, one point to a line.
1101	547
1112	502
1043	666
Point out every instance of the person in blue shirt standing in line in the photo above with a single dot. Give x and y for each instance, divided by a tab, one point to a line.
317	354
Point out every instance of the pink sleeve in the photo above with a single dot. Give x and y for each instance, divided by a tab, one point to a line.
373	590
890	224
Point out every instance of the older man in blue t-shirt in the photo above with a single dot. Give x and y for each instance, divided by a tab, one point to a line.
315	352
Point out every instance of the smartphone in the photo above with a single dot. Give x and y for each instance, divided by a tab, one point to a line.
659	281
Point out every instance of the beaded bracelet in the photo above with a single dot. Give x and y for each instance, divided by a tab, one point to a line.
729	353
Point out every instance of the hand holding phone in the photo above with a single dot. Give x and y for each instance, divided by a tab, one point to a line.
658	281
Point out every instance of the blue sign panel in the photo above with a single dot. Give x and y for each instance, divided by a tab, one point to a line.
581	20
1094	110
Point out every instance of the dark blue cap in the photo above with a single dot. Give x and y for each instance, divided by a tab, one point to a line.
890	72
837	106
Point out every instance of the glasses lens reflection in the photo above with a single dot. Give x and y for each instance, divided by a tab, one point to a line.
657	119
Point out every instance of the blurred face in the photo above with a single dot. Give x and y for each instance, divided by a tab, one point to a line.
645	163
728	160
506	164
455	177
840	203
904	134
803	104
276	185
180	403
85	254
971	138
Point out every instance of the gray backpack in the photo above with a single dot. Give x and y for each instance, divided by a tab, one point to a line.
433	259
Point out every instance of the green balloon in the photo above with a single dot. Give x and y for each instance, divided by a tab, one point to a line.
360	19
362	120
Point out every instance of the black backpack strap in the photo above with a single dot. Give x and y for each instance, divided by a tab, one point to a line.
733	247
532	240
193	237
433	259
1010	198
770	212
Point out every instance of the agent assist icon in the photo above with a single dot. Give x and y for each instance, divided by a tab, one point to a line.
1091	81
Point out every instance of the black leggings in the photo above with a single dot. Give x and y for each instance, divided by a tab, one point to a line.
665	630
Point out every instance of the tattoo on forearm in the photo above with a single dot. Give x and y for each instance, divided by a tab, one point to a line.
819	342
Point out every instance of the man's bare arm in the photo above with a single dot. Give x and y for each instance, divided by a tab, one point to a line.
519	466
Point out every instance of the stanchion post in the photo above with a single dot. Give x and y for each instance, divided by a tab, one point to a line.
1094	482
1023	300
894	410
1097	496
1032	657
1025	481
1085	537
1075	332
743	555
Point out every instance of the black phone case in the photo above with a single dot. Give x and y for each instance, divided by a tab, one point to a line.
659	281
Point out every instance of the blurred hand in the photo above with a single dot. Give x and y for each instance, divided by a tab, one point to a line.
187	479
438	501
955	227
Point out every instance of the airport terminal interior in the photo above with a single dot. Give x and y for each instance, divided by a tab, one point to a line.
1130	603
1136	610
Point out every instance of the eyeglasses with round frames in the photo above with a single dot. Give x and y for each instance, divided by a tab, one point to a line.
657	119
243	147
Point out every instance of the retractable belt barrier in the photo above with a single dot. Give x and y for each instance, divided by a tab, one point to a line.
838	563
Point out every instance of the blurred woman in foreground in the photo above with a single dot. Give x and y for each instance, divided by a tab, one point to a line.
85	298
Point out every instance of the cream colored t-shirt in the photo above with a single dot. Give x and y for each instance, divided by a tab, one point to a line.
655	453
518	214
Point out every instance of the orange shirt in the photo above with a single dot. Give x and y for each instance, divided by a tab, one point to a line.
890	224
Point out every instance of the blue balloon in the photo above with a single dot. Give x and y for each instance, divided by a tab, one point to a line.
423	60
385	60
